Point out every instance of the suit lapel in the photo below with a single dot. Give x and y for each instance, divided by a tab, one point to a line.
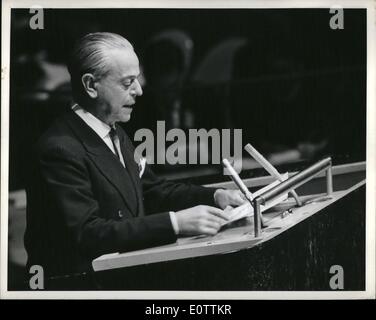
132	167
106	162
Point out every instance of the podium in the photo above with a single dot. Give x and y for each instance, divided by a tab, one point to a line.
295	251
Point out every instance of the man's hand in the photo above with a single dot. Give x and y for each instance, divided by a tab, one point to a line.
224	198
200	220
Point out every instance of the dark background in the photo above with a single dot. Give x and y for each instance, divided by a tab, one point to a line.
291	83
283	76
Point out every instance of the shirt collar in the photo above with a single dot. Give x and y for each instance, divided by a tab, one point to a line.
101	129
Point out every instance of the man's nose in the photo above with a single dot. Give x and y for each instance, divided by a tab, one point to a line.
137	88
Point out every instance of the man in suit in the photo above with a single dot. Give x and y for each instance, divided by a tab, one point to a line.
86	196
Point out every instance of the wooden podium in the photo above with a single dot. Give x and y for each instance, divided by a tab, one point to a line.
294	252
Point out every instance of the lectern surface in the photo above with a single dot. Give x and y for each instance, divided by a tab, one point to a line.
233	238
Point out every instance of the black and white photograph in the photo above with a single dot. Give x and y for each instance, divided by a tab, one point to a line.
188	150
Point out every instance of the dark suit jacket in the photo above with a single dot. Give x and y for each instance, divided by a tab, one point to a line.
82	203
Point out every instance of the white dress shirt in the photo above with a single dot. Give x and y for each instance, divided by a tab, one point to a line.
103	131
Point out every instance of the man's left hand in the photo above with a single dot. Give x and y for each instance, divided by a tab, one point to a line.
224	198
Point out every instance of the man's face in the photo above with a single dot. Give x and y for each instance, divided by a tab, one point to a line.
117	91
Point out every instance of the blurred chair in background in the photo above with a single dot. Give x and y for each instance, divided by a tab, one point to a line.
166	62
217	65
207	94
214	76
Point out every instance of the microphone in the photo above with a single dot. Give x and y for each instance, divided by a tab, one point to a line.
239	183
242	187
269	168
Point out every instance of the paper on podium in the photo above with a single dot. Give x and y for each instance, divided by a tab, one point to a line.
246	210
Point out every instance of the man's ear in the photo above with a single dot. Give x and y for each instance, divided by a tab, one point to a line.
88	81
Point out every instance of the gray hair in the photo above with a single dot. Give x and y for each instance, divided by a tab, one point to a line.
89	56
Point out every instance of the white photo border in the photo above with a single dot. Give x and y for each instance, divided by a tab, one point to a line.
369	293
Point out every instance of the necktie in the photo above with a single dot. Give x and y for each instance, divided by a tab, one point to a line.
113	136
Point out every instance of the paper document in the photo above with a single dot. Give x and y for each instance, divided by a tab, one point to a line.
247	210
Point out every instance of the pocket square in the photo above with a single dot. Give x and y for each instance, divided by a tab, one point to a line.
141	166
